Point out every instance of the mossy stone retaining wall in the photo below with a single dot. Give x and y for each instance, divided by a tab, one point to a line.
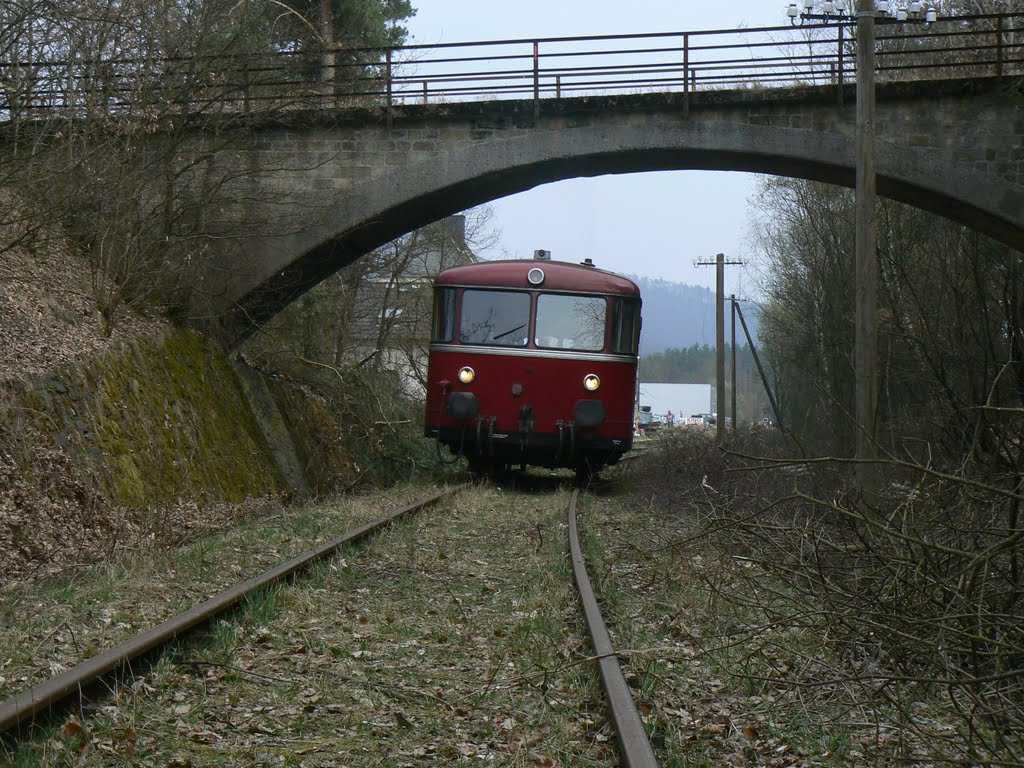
153	421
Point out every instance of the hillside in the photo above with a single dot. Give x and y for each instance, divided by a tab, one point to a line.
677	315
47	316
70	398
154	435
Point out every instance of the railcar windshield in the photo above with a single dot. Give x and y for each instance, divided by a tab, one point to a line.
625	326
571	322
443	329
495	317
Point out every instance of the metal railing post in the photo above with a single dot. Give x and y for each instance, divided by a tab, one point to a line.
387	77
536	82
839	63
246	93
425	100
686	73
999	46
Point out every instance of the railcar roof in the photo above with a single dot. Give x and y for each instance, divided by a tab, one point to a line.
558	276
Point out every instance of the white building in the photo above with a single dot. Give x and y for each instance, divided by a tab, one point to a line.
683	400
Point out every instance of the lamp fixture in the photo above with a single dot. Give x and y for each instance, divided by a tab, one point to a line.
831	10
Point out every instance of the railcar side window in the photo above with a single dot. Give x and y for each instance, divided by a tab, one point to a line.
495	317
570	322
625	326
444	315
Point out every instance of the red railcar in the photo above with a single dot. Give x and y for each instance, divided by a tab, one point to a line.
533	362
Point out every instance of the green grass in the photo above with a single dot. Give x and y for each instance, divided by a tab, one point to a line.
259	608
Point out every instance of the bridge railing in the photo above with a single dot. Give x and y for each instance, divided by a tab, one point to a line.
765	57
538	69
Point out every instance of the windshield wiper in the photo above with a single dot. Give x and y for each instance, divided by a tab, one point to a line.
508	333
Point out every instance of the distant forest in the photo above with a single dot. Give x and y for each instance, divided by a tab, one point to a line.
696	365
677	345
677	315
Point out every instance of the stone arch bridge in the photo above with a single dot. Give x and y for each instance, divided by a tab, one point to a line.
329	188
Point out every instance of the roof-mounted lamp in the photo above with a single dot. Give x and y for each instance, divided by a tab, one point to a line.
801	11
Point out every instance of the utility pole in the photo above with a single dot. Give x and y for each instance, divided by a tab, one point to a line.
720	264
760	371
866	321
732	314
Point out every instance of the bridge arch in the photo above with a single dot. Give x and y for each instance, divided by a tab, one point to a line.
407	195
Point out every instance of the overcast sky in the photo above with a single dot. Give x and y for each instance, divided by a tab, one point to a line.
650	224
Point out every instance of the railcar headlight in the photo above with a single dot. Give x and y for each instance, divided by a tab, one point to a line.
466	374
591	382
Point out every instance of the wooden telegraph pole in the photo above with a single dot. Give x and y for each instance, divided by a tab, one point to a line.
732	317
720	346
866	340
720	264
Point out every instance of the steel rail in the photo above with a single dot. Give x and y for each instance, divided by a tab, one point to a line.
56	690
635	747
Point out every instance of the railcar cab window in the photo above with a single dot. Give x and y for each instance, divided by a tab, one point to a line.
570	322
444	315
625	326
495	317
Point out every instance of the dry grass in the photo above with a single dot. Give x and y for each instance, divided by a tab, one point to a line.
450	639
454	639
47	625
51	515
775	627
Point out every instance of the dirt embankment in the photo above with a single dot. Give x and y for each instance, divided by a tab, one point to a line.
80	425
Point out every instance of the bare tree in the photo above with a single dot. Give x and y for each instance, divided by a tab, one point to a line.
935	577
375	313
103	101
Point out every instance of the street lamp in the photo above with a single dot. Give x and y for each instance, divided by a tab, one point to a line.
914	10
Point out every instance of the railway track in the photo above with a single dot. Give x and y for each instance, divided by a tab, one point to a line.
634	745
65	688
58	690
